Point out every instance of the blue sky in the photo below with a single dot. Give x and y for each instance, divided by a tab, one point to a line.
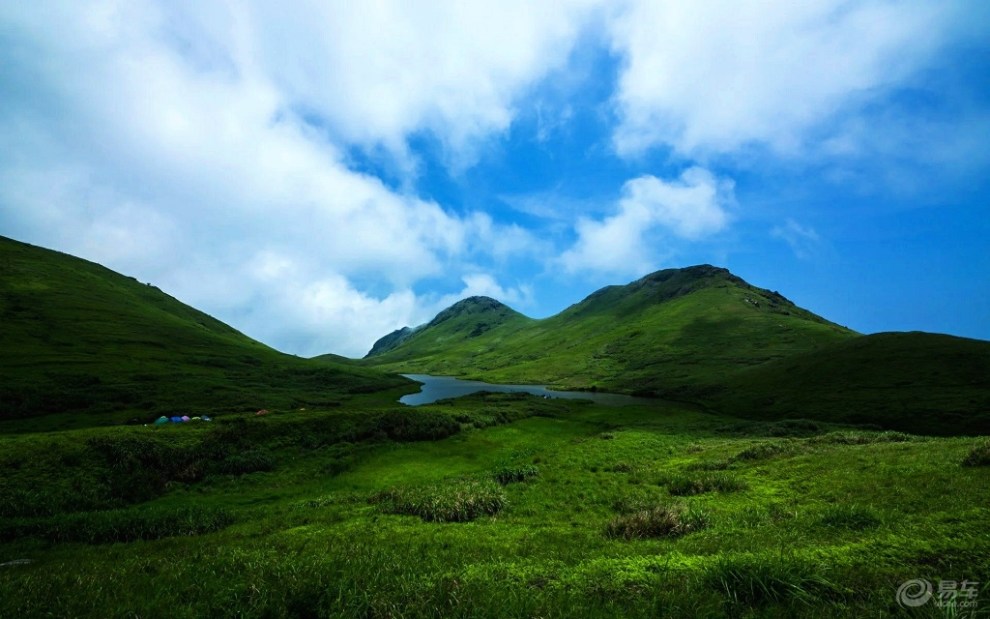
318	174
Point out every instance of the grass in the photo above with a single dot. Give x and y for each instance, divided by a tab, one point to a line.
712	482
451	501
979	456
658	521
442	537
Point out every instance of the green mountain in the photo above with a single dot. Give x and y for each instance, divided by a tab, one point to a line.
77	337
671	328
703	335
916	382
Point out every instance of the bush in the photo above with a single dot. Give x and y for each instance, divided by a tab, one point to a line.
979	456
511	474
658	521
458	501
718	482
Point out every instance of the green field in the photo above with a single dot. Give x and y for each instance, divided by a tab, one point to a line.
377	516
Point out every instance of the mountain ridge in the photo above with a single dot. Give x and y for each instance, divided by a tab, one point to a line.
78	337
614	336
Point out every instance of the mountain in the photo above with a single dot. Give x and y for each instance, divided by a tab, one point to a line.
461	324
924	383
78	337
670	328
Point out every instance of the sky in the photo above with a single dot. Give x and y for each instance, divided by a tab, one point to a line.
318	174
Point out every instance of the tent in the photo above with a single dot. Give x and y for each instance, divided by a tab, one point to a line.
262	412
205	418
185	418
161	420
176	419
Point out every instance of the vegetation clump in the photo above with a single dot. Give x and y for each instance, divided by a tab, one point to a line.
512	474
979	456
715	482
655	522
458	501
762	451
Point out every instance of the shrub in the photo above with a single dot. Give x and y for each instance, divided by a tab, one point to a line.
511	474
658	521
458	501
849	516
979	456
718	482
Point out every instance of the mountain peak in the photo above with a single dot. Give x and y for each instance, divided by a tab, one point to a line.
471	305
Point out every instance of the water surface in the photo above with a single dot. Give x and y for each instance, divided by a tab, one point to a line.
441	387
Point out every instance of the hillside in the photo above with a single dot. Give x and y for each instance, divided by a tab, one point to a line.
77	337
916	382
671	328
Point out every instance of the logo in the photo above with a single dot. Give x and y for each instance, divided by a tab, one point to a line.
913	593
951	595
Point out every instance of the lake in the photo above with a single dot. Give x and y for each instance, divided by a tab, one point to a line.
441	387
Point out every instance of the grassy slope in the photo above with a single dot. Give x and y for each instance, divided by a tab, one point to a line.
674	327
76	336
916	382
822	525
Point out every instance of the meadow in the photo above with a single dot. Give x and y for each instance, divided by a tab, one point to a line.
488	506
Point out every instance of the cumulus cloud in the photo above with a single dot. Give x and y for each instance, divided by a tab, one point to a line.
375	72
712	77
165	141
690	207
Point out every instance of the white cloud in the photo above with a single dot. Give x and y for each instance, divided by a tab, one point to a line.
690	207
376	72
160	141
711	77
804	241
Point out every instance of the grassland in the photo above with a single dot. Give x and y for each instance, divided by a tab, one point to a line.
385	512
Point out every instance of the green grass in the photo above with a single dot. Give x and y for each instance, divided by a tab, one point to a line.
355	519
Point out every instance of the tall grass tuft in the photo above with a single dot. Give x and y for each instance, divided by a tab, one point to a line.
712	482
512	474
979	456
456	501
658	521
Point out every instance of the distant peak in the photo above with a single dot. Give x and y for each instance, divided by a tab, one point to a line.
471	305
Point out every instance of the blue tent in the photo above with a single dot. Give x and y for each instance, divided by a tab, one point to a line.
161	420
176	420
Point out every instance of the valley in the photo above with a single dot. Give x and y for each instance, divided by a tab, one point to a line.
774	464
